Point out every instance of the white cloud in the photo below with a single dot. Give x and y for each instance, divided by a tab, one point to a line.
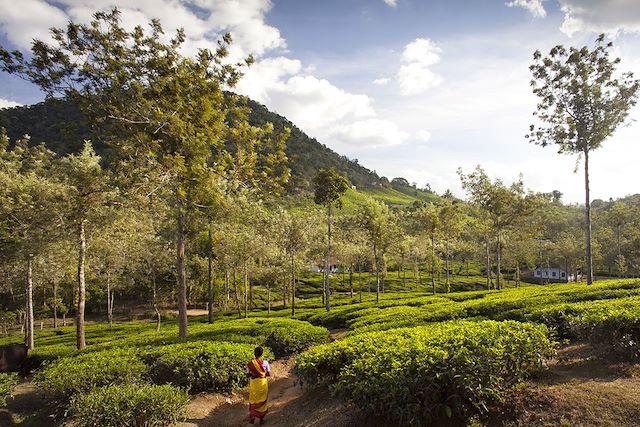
382	81
5	103
372	132
600	16
414	76
423	135
533	6
203	20
392	3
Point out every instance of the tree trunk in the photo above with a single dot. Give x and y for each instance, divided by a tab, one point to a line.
375	257
351	280
360	280
155	301
28	338
498	272
235	291
587	207
446	266
209	277
246	291
55	303
181	275
80	341
293	284
517	274
433	264
486	245
327	261
269	298
109	301
226	289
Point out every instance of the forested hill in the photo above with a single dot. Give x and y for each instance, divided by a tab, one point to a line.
61	126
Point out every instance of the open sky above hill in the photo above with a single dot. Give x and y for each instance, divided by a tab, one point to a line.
411	88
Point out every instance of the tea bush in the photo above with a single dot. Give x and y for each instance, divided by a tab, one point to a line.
413	376
83	373
7	382
129	406
200	366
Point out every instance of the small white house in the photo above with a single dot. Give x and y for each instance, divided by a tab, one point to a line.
319	268
553	274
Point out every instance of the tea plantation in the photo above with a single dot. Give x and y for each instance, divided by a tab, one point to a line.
412	359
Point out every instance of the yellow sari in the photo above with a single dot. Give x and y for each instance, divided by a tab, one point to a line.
258	390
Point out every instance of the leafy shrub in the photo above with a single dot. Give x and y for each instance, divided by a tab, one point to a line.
413	376
82	373
200	366
130	405
7	382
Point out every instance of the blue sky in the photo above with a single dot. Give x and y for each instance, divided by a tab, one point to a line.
411	88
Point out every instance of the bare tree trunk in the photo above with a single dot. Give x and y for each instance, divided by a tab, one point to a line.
293	284
55	302
446	266
246	290
155	301
351	279
327	261
433	264
28	338
587	207
498	250
384	272
209	277
109	301
235	291
80	341
360	280
226	289
375	257
269	298
517	274
486	245
181	275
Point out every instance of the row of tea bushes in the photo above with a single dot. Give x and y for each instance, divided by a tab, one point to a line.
106	376
414	376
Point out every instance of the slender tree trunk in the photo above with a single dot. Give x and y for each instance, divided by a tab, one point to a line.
246	291
498	251
269	298
226	289
327	261
293	284
351	279
28	338
587	207
517	274
155	301
209	276
446	266
404	275
375	257
360	280
109	301
486	245
433	264
235	291
181	275
80	341
55	302
384	271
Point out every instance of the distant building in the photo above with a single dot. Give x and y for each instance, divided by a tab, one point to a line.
318	267
553	274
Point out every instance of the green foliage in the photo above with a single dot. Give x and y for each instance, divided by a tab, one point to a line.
329	186
415	375
7	382
200	366
130	405
79	374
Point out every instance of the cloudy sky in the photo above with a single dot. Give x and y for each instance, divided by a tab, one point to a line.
412	88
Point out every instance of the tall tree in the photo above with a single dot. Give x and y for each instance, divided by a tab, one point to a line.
31	203
329	186
582	102
160	111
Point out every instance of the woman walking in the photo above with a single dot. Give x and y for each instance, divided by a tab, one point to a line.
258	371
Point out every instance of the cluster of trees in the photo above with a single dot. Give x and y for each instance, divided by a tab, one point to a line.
186	204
